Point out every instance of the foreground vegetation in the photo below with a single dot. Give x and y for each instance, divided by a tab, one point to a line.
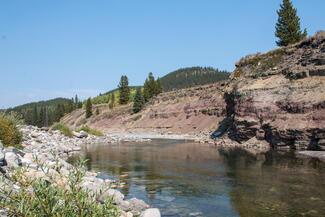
47	197
90	131
63	129
9	132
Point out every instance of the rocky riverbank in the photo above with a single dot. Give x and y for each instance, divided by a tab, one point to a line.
48	148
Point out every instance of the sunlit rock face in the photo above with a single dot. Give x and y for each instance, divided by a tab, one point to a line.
280	96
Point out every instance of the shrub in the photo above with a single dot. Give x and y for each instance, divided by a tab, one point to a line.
90	131
63	129
9	133
44	197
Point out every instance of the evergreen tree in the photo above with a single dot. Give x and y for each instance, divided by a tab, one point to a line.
41	117
89	111
288	29
46	121
159	87
97	111
138	101
112	101
146	94
35	116
151	87
124	90
76	101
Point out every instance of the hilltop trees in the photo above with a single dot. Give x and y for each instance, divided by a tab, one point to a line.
151	87
288	29
77	102
138	101
124	90
192	76
89	110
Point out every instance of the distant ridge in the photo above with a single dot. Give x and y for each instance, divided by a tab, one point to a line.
192	76
44	112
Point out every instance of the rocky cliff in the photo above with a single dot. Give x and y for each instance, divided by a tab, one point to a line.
279	96
196	110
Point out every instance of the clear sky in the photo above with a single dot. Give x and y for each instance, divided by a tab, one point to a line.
59	48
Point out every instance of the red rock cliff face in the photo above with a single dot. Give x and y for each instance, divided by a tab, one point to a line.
280	96
196	110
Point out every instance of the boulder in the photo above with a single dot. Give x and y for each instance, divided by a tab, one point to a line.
2	158
152	212
137	206
80	135
12	160
112	193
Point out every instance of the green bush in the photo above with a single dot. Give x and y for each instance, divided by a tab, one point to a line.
9	133
90	131
63	129
43	197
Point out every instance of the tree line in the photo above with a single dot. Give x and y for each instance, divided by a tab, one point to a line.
151	87
45	113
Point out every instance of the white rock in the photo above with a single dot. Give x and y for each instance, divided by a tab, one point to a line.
152	212
12	160
115	194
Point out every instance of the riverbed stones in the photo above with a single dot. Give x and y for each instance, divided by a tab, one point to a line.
12	160
116	195
137	205
2	155
152	212
45	153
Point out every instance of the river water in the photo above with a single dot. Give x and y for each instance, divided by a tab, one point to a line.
189	179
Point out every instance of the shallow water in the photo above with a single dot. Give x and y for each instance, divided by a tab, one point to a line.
190	179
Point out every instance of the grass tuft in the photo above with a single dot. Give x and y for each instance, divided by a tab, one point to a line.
63	129
90	131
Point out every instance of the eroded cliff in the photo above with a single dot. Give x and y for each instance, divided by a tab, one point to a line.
280	96
277	97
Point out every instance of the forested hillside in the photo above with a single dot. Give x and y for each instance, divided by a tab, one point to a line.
189	77
45	113
107	97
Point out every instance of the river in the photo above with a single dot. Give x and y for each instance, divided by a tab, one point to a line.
189	179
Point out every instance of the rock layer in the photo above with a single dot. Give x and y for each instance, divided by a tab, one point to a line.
280	96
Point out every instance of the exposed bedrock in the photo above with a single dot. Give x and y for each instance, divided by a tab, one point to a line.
280	96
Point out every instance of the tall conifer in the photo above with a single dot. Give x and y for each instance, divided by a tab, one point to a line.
124	90
288	30
89	111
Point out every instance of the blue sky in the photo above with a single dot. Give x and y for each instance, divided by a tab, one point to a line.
59	48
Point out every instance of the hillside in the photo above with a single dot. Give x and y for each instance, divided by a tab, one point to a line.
194	110
277	97
192	76
106	97
179	79
44	113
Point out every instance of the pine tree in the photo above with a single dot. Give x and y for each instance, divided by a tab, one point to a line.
41	117
124	90
76	101
138	101
146	90
151	87
288	29
159	88
35	116
46	119
112	101
89	111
